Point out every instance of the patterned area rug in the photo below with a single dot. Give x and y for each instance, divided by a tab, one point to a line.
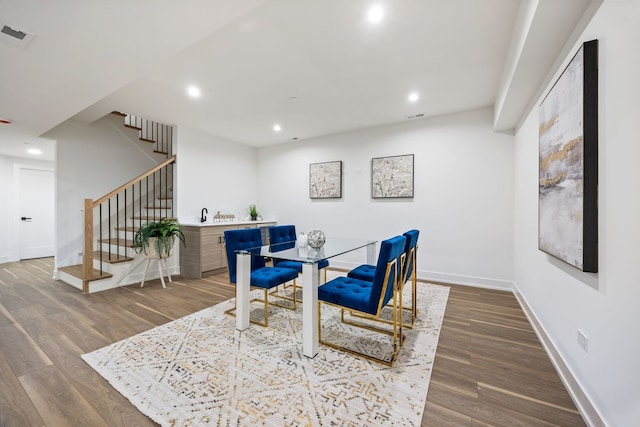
199	370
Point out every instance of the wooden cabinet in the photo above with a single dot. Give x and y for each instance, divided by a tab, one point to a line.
205	253
212	253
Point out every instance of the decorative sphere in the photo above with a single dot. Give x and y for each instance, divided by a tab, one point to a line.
316	239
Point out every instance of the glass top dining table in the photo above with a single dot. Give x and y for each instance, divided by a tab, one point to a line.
310	258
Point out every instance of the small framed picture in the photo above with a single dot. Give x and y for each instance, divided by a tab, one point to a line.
325	180
392	177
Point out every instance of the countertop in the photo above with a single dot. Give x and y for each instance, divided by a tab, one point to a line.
226	223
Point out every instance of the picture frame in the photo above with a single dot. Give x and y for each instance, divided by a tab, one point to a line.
325	180
568	164
392	177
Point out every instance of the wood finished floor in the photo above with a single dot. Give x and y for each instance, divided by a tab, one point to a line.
490	369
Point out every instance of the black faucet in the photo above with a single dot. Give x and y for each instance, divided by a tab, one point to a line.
203	217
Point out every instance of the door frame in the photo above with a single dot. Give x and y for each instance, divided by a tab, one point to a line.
17	168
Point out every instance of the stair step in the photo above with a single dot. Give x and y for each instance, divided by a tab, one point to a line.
118	113
161	152
127	228
117	242
132	127
150	218
147	140
76	271
164	198
158	207
115	258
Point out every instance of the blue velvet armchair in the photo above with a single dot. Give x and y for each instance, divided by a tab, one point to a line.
261	276
368	298
407	271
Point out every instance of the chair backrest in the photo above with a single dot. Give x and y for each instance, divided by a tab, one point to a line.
410	254
282	233
282	237
235	240
384	279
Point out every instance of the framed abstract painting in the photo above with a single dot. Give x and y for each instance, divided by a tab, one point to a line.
568	168
392	177
325	180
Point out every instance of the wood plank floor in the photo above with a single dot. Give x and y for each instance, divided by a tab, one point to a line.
490	369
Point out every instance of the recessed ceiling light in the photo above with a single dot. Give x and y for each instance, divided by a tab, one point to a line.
277	127
413	97
34	151
193	92
375	14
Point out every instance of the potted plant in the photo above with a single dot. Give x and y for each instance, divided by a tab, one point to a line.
156	239
253	212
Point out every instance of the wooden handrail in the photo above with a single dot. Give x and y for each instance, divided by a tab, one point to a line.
134	181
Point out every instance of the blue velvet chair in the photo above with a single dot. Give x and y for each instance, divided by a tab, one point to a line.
407	271
282	234
261	276
368	298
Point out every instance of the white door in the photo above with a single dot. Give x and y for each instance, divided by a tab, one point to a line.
36	213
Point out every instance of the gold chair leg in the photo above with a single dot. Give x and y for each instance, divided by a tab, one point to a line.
408	325
293	299
414	289
266	308
231	311
397	332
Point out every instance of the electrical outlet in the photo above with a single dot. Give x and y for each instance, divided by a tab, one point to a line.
583	341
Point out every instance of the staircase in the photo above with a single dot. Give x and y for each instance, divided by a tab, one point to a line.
110	221
158	134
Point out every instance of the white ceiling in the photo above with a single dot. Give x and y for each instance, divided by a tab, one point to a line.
250	57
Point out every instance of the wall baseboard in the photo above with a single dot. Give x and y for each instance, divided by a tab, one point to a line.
452	279
474	281
577	393
7	258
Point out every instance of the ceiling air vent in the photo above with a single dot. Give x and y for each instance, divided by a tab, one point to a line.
417	116
14	37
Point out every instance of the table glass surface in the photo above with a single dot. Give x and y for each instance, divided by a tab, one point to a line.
332	247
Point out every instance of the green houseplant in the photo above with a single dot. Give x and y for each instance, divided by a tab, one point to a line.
157	239
253	212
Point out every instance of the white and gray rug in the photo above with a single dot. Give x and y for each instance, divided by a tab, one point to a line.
199	370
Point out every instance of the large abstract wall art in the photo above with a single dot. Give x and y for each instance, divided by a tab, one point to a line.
568	178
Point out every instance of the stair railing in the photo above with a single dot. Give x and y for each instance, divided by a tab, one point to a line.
149	191
159	134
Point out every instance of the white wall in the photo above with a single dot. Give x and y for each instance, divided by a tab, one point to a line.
9	199
463	193
215	174
91	160
606	305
